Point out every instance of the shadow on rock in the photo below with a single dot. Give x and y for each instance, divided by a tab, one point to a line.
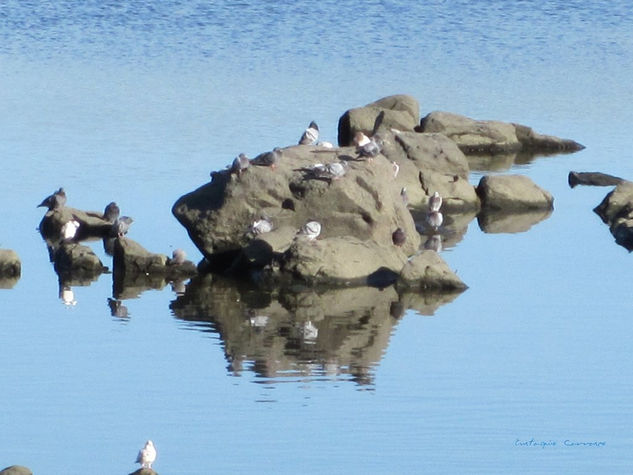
300	331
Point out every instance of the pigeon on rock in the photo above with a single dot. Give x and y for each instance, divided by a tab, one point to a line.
310	135
147	455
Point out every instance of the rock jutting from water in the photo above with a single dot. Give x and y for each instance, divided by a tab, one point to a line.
357	209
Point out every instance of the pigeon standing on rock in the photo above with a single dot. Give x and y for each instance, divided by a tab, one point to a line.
310	230
111	212
310	135
147	455
268	159
371	149
360	139
240	164
178	257
262	225
435	202
121	226
55	201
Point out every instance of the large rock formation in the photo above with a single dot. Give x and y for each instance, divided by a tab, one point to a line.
491	136
399	112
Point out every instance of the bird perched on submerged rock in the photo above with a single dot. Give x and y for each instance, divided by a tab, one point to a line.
310	135
310	230
240	164
111	212
147	455
268	159
260	226
178	256
399	237
371	149
121	226
360	139
435	202
55	201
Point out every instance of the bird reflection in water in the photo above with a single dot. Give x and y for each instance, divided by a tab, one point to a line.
67	296
117	309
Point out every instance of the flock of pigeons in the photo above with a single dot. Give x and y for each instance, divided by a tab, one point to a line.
111	214
367	148
120	224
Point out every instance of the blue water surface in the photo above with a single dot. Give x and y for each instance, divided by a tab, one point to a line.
138	101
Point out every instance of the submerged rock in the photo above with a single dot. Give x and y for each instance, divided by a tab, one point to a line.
592	179
616	210
427	270
491	136
513	193
73	260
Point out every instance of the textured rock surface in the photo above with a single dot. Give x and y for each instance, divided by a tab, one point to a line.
76	259
427	270
616	210
401	112
512	193
490	136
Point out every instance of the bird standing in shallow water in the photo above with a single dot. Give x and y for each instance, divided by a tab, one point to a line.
147	455
240	164
310	135
55	201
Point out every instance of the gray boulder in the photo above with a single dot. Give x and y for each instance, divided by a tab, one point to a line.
131	259
513	193
401	112
490	136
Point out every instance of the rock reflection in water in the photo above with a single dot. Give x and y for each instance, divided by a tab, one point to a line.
502	222
300	332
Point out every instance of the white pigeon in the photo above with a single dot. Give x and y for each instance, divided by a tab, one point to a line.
435	202
69	230
261	226
311	230
360	139
147	455
310	135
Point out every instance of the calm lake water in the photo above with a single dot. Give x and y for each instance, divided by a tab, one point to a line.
137	102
